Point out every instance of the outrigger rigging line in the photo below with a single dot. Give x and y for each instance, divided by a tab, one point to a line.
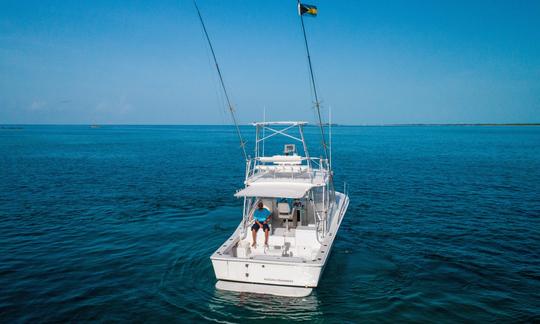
231	108
317	102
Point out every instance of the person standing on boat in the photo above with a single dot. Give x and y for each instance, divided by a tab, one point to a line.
262	217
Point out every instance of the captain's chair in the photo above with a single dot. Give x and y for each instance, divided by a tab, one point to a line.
285	213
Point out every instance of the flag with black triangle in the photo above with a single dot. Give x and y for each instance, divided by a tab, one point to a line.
307	9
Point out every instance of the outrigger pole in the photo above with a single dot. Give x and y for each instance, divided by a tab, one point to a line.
317	102
231	108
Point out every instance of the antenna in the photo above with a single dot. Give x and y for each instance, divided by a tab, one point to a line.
264	120
231	109
330	133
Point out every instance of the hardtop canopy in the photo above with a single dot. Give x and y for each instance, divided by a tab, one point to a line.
276	190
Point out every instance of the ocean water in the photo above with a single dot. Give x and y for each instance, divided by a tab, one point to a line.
117	224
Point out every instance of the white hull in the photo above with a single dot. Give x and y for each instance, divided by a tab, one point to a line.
233	264
276	290
264	272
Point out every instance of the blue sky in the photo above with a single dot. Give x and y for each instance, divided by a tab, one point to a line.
146	62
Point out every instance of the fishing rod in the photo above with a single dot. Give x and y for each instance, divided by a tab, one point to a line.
231	108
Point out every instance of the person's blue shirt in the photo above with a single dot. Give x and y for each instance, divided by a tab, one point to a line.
261	214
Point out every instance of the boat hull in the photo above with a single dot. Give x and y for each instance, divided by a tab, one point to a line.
253	288
262	272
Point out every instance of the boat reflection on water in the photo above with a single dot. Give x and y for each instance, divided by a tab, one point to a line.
258	306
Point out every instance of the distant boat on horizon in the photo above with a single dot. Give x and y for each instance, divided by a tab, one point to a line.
12	127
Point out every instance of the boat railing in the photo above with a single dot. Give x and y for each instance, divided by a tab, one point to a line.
261	166
248	218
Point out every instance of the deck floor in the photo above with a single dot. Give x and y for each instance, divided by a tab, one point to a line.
281	245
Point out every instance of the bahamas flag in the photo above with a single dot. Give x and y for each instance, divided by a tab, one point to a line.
307	9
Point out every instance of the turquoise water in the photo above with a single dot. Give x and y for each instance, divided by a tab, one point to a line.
118	223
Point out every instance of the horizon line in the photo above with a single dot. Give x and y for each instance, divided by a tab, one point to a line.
308	125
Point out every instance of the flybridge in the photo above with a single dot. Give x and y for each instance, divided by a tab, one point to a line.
289	165
283	175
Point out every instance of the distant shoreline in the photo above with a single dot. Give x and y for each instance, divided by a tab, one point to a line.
21	126
465	124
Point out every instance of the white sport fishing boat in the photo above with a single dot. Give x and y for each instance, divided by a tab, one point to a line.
306	213
298	192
